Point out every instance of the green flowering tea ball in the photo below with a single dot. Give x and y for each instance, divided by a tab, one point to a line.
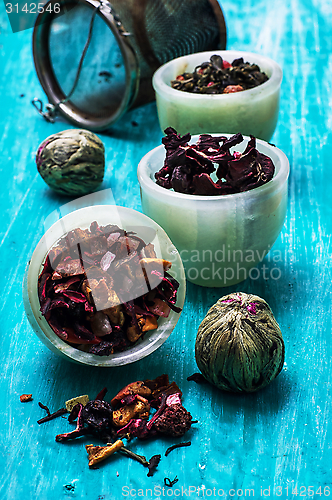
239	345
72	162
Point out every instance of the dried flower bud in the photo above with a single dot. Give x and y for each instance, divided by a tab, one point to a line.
239	345
72	162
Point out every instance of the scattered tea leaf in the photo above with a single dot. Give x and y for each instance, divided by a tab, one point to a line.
153	464
198	378
51	416
175	446
169	483
44	407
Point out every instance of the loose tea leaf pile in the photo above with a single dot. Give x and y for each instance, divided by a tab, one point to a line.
128	415
239	345
188	168
101	289
218	76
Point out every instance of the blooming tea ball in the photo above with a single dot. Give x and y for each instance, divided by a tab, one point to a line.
239	345
72	162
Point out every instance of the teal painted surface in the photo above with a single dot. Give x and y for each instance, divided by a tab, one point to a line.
277	438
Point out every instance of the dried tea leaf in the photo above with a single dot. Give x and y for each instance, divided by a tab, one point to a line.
153	464
220	77
175	446
198	378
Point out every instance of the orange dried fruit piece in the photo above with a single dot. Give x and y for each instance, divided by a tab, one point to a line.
134	388
97	454
139	409
24	398
150	324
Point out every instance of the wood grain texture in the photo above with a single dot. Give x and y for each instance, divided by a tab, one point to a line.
275	438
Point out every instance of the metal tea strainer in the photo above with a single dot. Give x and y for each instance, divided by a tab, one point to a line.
95	59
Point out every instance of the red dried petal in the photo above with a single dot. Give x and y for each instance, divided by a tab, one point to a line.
77	297
60	287
204	185
160	308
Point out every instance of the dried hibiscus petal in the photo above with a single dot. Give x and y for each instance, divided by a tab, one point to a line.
74	296
251	169
60	332
137	428
160	308
58	303
79	431
42	286
61	287
187	168
204	185
102	349
84	333
45	306
101	395
97	293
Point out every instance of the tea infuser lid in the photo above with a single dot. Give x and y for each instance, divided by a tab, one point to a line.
95	60
84	63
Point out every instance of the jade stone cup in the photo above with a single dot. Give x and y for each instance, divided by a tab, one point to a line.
127	219
221	239
251	112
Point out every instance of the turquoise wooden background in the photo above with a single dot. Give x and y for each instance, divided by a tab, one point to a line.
269	442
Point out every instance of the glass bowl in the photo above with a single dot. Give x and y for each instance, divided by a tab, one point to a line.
251	112
220	238
129	220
